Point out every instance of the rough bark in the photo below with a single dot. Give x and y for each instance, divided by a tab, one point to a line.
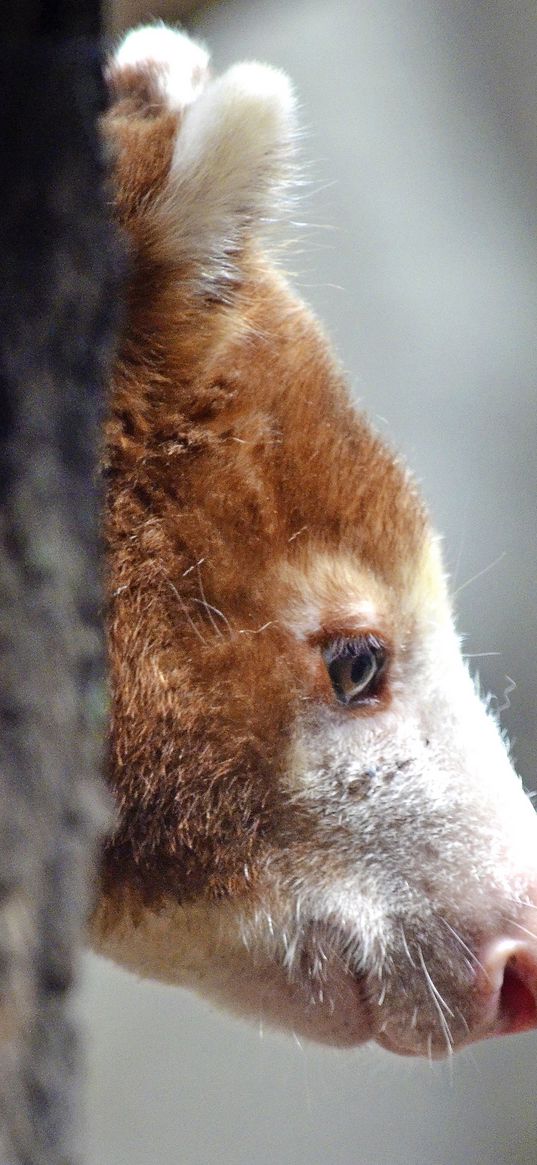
59	279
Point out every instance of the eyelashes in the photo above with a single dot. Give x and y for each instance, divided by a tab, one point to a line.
357	669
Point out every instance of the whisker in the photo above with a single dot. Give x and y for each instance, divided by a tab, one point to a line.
525	901
258	630
511	687
182	604
461	942
193	567
479	654
406	947
524	929
207	605
434	989
439	1004
479	574
216	611
296	533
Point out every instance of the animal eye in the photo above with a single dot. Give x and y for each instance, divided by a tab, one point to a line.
356	668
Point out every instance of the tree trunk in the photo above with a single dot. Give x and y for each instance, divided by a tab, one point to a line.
59	284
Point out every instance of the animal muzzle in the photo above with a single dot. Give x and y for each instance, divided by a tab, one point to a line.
450	995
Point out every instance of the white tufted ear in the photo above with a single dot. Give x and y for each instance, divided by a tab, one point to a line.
177	64
230	163
231	155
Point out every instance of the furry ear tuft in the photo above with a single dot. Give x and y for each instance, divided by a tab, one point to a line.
176	65
230	163
231	152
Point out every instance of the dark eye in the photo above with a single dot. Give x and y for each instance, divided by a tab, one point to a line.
356	668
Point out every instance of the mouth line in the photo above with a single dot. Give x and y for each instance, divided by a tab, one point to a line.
326	969
337	979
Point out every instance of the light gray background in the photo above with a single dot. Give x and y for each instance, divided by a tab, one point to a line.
421	120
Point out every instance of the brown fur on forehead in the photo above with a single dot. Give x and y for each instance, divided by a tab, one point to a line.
339	479
231	444
255	396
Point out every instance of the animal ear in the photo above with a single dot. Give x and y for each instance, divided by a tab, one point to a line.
164	68
231	155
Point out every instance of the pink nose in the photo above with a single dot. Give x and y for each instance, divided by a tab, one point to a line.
509	983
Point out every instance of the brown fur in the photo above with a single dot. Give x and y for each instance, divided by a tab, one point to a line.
231	448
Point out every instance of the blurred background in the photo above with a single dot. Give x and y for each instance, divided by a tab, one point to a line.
420	255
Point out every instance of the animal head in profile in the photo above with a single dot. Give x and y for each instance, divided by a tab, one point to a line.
317	819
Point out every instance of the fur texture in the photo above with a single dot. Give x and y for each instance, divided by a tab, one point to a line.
326	865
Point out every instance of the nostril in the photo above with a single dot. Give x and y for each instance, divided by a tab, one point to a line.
518	1002
509	989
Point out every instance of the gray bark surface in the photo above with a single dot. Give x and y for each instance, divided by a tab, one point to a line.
59	281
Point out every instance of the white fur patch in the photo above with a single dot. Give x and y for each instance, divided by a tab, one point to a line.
230	161
180	64
322	588
330	588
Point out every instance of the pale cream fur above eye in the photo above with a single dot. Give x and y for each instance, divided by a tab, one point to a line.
323	589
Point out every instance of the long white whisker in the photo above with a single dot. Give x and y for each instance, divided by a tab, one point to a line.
439	1004
524	929
479	574
434	989
461	942
479	654
407	951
